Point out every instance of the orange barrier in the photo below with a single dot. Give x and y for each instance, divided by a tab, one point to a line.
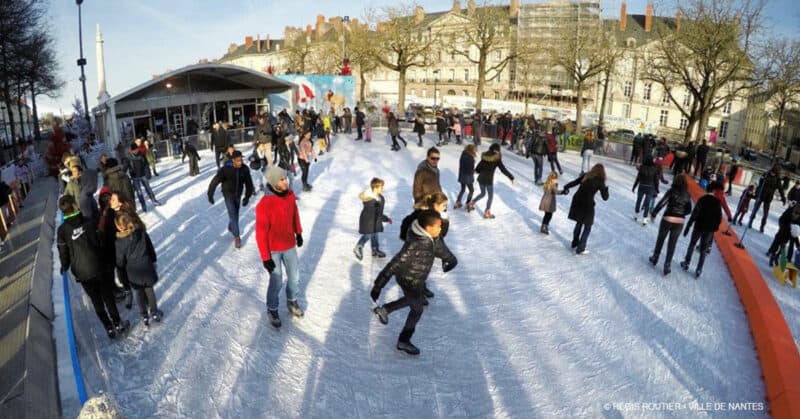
775	347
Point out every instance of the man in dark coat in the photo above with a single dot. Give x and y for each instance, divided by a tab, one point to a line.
235	179
360	124
78	242
536	150
426	178
706	217
118	181
784	235
220	139
767	186
191	151
637	148
700	155
263	130
732	172
411	267
139	173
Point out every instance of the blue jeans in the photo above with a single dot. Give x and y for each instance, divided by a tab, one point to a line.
371	237
232	204
288	258
580	236
138	183
485	188
586	163
647	192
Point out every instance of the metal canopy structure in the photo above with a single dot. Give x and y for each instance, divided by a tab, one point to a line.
187	87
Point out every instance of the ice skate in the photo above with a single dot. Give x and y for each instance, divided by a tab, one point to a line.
685	265
122	327
157	316
358	252
488	215
458	205
667	269
644	221
428	293
378	254
653	260
408	348
111	332
295	309
274	318
237	242
382	314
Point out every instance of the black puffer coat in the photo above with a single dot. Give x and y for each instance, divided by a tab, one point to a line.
136	255
234	181
581	209
677	202
410	218
137	166
79	248
119	182
412	264
490	161
371	219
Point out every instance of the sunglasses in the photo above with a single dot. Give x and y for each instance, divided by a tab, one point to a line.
434	158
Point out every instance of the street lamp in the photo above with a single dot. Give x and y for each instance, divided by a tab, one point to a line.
82	64
435	81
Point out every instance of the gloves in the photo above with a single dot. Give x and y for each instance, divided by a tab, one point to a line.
388	220
269	265
245	201
565	191
448	266
211	199
375	293
299	238
315	159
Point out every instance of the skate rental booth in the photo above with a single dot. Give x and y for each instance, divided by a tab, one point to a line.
188	99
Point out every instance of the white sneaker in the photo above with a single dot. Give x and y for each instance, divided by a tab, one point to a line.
644	221
585	252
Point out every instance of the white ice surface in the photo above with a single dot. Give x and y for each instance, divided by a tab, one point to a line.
521	328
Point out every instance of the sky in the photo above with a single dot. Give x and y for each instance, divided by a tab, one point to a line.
146	37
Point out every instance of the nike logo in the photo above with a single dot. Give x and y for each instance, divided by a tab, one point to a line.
77	233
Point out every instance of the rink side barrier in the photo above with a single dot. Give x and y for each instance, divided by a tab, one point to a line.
775	348
73	350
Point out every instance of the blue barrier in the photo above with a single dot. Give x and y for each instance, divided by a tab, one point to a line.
73	350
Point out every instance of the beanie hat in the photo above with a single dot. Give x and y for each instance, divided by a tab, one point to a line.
274	175
236	154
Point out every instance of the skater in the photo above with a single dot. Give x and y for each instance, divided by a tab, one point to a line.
767	186
368	130
490	161
581	210
220	139
701	154
359	124
235	179
137	168
587	151
370	222
536	150
394	131
733	171
793	196
426	178
548	202
137	256
441	129
81	187
286	151
437	202
457	128
647	180
108	236
279	234
744	204
419	128
677	204
477	128
552	152
189	150
79	250
466	174
411	267
150	155
784	235
306	153
636	149
706	217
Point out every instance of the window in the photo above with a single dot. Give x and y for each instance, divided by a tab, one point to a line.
424	92
662	119
665	99
499	55
627	89
466	74
452	56
465	93
648	88
684	122
452	75
686	100
723	129
413	92
727	108
626	110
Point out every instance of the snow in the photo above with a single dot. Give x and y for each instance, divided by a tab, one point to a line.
521	328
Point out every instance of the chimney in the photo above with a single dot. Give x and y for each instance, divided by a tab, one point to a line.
317	29
678	21
308	31
248	42
456	7
623	17
320	19
470	7
419	14
648	17
269	43
258	43
513	8
354	22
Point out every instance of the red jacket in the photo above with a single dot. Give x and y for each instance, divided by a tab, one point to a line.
277	222
552	146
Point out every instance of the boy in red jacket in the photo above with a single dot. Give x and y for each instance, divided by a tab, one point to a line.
278	231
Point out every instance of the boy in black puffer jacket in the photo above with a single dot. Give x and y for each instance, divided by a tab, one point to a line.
79	250
411	267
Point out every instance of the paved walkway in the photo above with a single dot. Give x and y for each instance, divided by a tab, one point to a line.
28	381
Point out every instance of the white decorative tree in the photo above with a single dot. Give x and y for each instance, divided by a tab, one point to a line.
80	127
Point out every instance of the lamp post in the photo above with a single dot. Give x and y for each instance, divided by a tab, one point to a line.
345	23
82	64
435	82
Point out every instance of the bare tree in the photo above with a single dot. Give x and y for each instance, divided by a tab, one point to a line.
709	56
42	77
401	41
361	53
782	72
582	53
299	51
614	53
528	65
486	30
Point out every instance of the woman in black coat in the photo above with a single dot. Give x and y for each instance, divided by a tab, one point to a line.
419	128
136	255
490	161
466	173
582	208
678	205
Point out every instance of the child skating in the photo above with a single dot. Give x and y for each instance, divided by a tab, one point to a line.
411	267
548	202
370	222
136	255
